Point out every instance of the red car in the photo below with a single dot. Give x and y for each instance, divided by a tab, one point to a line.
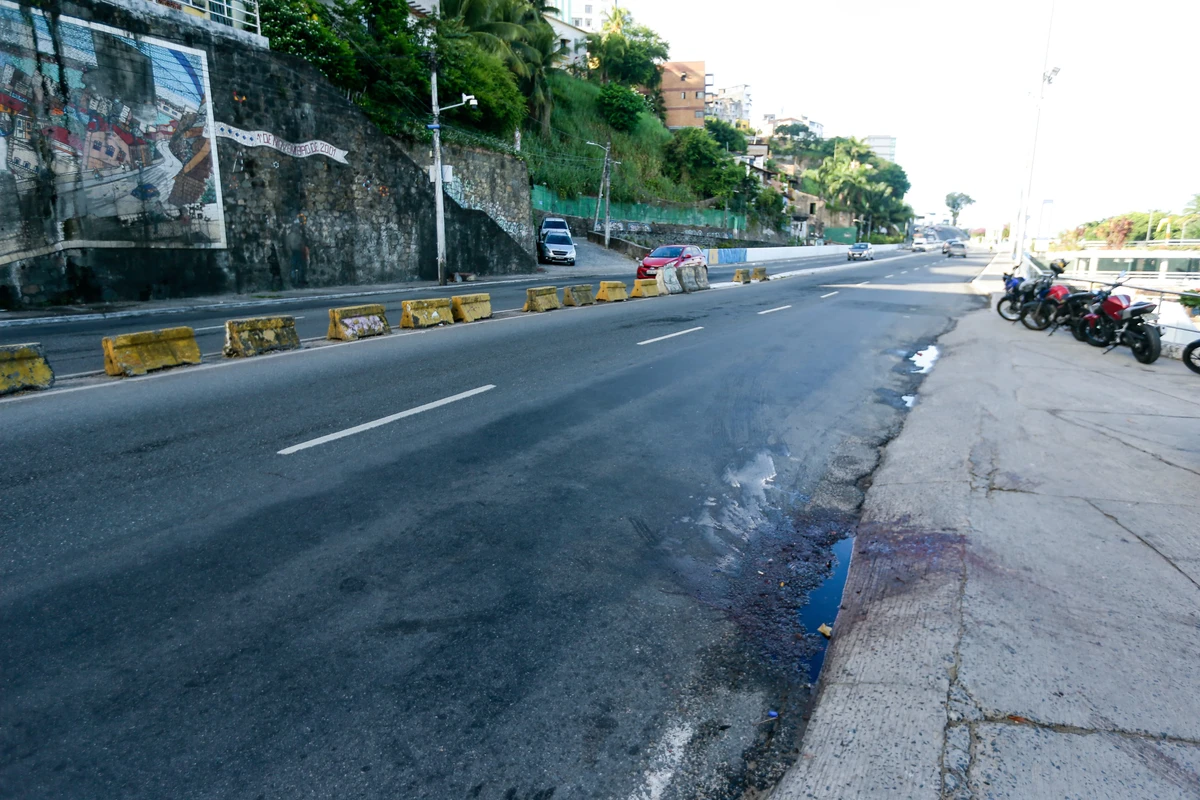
671	255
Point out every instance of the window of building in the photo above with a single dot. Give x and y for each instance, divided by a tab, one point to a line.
812	208
699	115
587	9
683	95
699	95
589	24
576	21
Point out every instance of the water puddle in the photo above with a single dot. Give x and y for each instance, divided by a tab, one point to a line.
923	360
909	400
823	602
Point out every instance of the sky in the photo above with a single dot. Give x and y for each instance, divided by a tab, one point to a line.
957	84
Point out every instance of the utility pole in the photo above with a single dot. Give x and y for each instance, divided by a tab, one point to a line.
603	181
607	195
438	203
1149	226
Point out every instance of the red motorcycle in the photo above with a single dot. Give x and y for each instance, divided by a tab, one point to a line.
1114	321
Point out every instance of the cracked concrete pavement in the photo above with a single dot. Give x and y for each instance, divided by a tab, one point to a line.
1022	615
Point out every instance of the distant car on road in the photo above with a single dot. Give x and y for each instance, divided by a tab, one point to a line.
145	191
957	248
861	251
946	245
920	245
557	248
555	225
671	255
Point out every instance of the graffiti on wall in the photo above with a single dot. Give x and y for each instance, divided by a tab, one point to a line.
314	147
111	132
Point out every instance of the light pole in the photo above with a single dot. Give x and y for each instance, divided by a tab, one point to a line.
438	202
1149	226
607	194
1048	76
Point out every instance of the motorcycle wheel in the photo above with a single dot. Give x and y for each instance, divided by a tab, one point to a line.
1146	345
1098	336
1037	316
1077	330
1191	356
1008	308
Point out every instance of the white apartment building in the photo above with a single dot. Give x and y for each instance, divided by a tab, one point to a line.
573	39
587	15
884	146
730	104
770	122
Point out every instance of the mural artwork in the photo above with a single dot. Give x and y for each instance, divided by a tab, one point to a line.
105	140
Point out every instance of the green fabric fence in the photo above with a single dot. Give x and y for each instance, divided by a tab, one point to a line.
546	200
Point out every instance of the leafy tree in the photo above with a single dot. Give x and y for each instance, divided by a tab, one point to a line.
390	60
1193	206
956	202
726	135
1117	231
626	52
542	52
846	178
488	22
694	157
463	68
305	29
795	130
621	106
768	209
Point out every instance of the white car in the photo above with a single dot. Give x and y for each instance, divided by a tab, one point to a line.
860	251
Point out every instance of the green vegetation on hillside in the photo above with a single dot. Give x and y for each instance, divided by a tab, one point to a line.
1130	229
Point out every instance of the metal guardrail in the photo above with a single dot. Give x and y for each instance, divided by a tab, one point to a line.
239	14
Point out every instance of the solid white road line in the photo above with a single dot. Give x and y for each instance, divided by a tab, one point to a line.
772	310
831	294
366	426
672	335
864	283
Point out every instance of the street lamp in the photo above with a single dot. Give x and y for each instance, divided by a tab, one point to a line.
603	178
438	202
1048	76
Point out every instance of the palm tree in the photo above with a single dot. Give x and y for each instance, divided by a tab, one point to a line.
484	21
541	52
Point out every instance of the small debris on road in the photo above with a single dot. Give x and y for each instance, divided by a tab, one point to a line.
825	630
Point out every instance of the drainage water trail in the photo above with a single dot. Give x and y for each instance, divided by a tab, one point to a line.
823	603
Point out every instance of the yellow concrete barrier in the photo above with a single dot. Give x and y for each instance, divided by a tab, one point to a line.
541	298
471	307
611	292
426	313
357	322
645	287
256	335
578	295
741	276
24	366
145	351
760	274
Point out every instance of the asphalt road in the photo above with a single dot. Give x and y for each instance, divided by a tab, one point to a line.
73	346
562	586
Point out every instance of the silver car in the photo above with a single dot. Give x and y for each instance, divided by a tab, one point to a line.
860	251
556	248
957	248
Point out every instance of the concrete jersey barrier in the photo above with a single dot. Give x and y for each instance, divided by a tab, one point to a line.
357	322
541	298
578	295
759	274
741	276
426	313
256	335
688	279
645	287
471	307
611	292
702	278
668	281
138	353
22	367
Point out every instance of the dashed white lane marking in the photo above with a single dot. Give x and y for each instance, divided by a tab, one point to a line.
772	310
366	426
903	272
831	294
672	335
890	276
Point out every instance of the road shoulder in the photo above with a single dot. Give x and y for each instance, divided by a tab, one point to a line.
1023	604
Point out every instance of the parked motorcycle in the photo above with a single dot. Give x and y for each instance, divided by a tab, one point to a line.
1113	320
1061	307
1191	356
1009	306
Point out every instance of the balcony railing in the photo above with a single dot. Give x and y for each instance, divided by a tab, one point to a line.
239	14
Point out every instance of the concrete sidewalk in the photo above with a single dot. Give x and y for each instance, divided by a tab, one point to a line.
1022	616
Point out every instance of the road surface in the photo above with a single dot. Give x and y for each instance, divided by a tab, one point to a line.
553	555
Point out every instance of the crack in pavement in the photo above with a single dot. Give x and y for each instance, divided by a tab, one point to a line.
1137	536
1156	456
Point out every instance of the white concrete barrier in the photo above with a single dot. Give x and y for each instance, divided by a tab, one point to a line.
748	255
